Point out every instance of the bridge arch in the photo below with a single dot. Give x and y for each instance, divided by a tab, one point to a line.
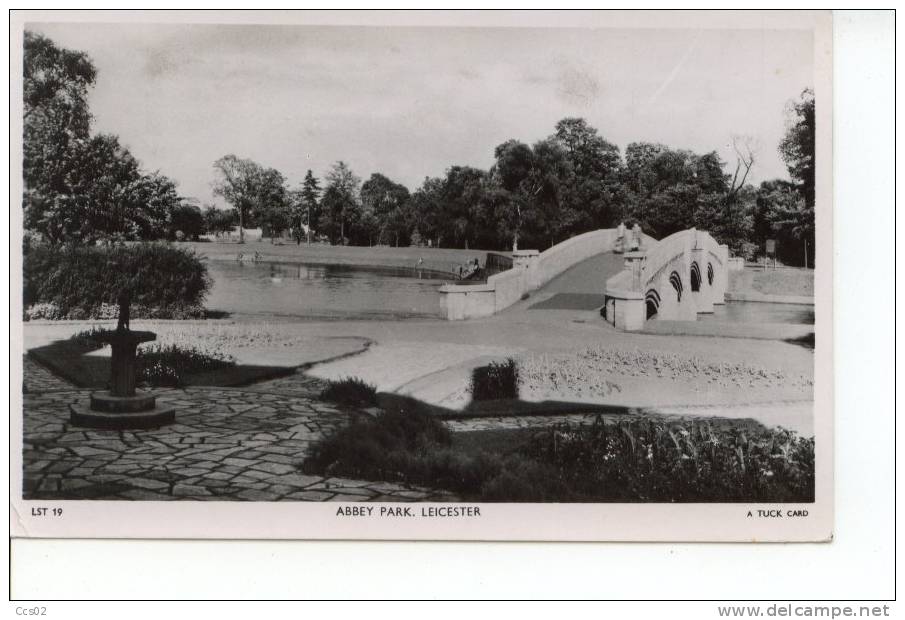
676	281
695	277
652	303
677	263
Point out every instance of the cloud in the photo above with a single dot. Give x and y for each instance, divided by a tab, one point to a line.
577	87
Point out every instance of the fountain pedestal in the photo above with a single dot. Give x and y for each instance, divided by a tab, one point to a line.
121	407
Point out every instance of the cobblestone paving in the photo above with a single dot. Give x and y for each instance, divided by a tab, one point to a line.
227	444
36	378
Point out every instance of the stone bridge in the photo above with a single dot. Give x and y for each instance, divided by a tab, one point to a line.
675	279
531	271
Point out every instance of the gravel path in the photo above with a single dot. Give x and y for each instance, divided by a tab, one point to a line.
37	378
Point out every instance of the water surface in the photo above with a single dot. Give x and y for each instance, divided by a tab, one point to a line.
761	312
322	291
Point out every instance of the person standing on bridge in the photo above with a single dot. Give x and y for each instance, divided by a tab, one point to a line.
636	237
620	237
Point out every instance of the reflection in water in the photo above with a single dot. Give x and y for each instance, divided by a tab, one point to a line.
761	312
323	291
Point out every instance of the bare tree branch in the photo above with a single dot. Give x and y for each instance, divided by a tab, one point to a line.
744	152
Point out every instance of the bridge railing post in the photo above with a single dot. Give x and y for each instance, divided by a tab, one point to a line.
634	262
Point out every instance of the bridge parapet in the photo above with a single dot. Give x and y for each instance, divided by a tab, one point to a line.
530	272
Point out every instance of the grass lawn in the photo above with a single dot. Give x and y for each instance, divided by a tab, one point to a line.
68	359
784	281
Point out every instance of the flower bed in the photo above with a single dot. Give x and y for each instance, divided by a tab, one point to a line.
159	364
630	460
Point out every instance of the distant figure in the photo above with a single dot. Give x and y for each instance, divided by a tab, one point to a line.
636	237
620	237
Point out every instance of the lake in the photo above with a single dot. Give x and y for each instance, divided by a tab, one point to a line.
760	312
316	291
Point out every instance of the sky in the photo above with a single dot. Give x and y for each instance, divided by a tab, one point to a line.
410	102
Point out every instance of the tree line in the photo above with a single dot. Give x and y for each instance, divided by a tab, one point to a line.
87	188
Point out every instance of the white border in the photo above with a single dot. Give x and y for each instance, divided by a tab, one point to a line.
857	565
519	522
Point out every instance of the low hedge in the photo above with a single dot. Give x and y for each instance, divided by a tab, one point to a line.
350	391
81	282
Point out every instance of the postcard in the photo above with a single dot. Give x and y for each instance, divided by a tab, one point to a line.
425	276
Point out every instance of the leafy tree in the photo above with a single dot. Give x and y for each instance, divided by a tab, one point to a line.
274	211
387	203
340	205
532	181
460	192
638	173
161	211
590	154
257	194
783	214
104	197
218	221
186	221
309	202
592	194
107	198
332	206
797	147
670	190
798	151
364	229
80	188
729	221
425	216
56	120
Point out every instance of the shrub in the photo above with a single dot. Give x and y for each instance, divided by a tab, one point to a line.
92	339
85	282
170	364
384	447
350	391
45	311
495	381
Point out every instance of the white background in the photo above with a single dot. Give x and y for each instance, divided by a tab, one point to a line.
857	565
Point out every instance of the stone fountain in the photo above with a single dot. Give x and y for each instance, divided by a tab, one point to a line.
121	407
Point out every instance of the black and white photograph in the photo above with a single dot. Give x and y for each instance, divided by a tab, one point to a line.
422	274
